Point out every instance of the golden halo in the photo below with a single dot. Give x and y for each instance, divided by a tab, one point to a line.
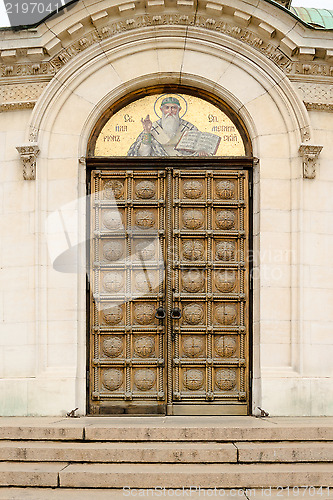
181	99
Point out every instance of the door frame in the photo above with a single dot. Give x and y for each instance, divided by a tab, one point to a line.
211	163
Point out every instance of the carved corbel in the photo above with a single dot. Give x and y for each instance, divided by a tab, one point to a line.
310	155
28	154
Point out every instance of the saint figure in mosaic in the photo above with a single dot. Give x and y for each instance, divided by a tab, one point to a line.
171	135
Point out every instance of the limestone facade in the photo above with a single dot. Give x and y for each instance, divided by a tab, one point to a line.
56	82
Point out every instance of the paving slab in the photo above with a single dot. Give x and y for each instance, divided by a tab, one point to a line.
203	475
30	474
165	452
290	451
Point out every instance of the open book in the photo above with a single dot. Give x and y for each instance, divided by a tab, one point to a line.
195	141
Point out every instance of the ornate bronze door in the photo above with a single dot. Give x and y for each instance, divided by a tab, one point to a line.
169	297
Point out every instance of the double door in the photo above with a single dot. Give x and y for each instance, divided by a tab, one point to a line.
169	296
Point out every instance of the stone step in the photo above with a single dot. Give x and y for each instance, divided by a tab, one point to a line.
152	452
167	429
203	475
45	474
312	451
120	494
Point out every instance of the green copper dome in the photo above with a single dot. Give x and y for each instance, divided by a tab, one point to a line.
319	18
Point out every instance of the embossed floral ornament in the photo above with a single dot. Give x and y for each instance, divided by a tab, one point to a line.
193	379
145	189
113	250
112	346
112	219
144	379
144	219
113	281
114	188
225	379
225	250
225	219
112	379
193	280
225	190
193	313
225	313
193	250
144	313
193	219
113	315
193	189
225	280
193	345
144	346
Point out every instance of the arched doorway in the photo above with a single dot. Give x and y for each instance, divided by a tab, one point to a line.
170	226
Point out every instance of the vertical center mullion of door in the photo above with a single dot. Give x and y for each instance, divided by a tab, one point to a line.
169	262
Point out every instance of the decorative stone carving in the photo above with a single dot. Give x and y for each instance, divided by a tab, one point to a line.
193	280
112	379
112	219
144	312
145	250
226	313
193	313
113	189
225	280
225	379
113	282
144	379
193	219
317	96
144	219
225	219
193	189
194	379
225	346
193	250
225	190
310	155
112	346
225	250
113	250
144	346
113	315
145	189
28	156
193	345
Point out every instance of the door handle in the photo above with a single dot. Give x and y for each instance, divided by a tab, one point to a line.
176	313
160	313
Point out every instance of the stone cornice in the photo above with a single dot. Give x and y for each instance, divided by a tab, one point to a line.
83	28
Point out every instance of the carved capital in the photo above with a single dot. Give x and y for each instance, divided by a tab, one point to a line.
310	155
28	154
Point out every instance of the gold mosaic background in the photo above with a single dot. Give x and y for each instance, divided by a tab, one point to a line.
122	129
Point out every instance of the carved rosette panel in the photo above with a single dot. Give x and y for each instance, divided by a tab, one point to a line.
145	189
127	361
210	286
113	250
145	219
112	346
113	282
193	250
113	190
112	219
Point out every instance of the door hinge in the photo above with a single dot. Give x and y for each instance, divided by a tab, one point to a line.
250	189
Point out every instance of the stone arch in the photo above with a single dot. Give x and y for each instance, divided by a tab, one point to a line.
256	89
